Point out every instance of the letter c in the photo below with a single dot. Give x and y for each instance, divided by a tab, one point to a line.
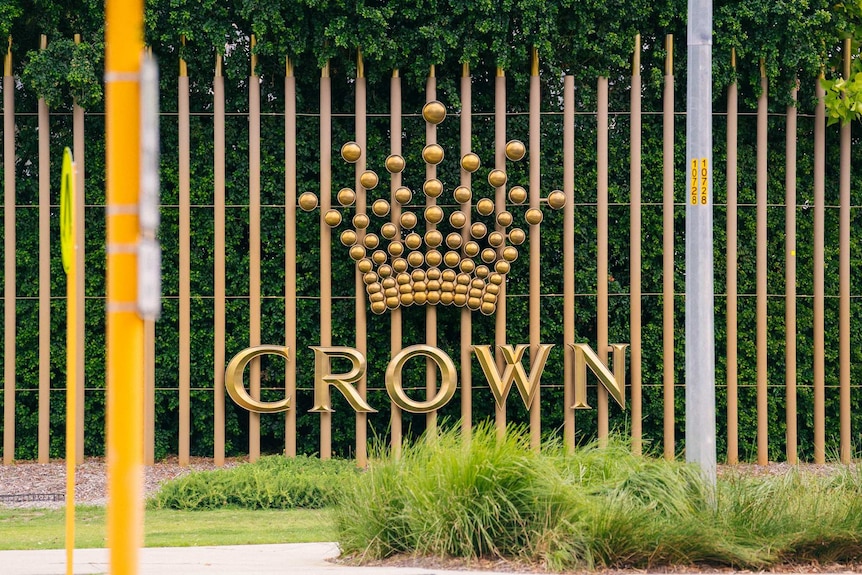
236	388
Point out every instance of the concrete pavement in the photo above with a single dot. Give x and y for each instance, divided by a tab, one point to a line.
292	559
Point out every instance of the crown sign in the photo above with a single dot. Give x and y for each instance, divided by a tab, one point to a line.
402	272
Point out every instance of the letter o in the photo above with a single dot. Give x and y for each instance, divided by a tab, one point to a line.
448	384
236	388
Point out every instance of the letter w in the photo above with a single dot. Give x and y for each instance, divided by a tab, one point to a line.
500	385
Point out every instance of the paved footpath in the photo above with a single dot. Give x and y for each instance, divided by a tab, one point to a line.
289	559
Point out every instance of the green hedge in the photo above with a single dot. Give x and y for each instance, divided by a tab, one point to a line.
586	39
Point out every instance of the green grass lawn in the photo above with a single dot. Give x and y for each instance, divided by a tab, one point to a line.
45	528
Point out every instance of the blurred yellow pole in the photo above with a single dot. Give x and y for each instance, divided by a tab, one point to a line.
125	328
68	235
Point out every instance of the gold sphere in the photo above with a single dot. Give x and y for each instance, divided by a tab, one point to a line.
392	302
307	201
446	298
448	276
348	237
434	112
394	164
403	279
433	296
346	197
452	259
482	272
419	285
420	297
470	162
407	299
467	266
485	207
433	258
517	236
369	180
403	195
378	307
432	154
502	267
371	241
497	178
453	241
557	199
417	275
515	150
510	254
380	207
375	292
478	230
415	259
388	285
488	308
357	252
533	216
492	290
360	221
408	220
432	188
460	299
496	239
496	278
458	219
462	194
477	283
364	265
517	195
332	218
413	241
489	255
351	152
471	248
395	249
434	214
384	271
475	293
370	278
405	288
504	219
433	238
388	230
474	303
379	257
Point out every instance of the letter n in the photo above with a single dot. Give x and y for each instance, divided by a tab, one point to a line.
614	382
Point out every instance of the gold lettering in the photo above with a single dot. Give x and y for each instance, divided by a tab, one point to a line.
448	376
323	378
614	382
236	388
513	372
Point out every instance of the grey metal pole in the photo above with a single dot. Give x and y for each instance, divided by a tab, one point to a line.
699	287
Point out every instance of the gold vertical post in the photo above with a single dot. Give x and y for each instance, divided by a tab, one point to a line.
220	262
790	279
44	276
290	254
819	351
761	273
430	310
359	307
568	260
125	329
466	207
499	206
732	189
185	264
78	138
325	241
535	239
635	249
844	279
254	249
602	252
9	259
395	182
668	371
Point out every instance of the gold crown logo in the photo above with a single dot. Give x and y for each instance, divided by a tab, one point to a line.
401	273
